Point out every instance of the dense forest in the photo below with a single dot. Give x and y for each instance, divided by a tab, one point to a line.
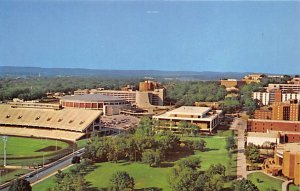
36	87
186	93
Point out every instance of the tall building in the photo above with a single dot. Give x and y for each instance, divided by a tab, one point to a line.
286	111
148	86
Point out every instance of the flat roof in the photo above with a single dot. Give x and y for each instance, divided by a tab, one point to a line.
190	110
264	135
91	98
273	121
292	147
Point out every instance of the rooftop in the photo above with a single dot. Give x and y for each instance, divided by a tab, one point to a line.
91	97
292	147
190	110
264	135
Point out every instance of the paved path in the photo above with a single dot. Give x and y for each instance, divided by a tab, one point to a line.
240	126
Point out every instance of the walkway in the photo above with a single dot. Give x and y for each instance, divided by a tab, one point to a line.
240	126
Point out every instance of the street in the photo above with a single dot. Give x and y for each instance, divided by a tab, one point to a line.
48	169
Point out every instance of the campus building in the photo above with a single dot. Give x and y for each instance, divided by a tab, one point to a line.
285	88
286	161
267	98
232	83
204	117
47	120
253	78
110	105
289	130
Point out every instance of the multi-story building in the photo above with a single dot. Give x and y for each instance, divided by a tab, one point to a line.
286	111
286	88
148	86
232	83
263	114
204	117
267	98
294	81
286	160
253	78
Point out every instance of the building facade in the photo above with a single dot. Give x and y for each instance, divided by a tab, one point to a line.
204	117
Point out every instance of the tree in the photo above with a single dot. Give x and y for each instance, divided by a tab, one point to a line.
121	181
145	127
153	158
20	185
245	185
199	145
216	169
230	143
252	153
191	162
183	179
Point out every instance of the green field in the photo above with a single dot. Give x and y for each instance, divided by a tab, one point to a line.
146	176
11	175
293	187
27	147
265	182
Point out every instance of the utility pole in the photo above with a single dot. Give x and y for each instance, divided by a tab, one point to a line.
4	139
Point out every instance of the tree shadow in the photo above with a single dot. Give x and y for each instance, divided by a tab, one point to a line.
166	165
178	155
209	149
149	189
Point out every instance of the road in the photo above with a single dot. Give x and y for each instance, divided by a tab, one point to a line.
48	169
240	126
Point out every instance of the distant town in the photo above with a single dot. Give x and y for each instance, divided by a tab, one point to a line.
153	135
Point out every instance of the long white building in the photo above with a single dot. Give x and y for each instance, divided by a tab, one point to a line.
267	98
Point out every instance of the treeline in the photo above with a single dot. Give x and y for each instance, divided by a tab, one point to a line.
37	87
186	93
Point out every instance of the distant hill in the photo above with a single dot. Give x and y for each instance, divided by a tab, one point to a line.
6	71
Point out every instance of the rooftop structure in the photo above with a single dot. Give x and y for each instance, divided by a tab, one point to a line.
204	117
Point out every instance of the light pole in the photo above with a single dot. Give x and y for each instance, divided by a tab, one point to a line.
4	139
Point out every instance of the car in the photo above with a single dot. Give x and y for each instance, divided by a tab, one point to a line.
29	175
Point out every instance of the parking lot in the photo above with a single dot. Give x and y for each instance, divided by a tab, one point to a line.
120	122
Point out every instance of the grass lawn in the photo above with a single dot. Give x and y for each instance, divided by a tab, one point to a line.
24	147
11	175
146	177
293	187
47	183
265	182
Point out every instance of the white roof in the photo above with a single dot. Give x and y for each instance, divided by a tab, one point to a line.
190	110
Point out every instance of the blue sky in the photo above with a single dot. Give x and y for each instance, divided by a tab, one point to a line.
163	35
